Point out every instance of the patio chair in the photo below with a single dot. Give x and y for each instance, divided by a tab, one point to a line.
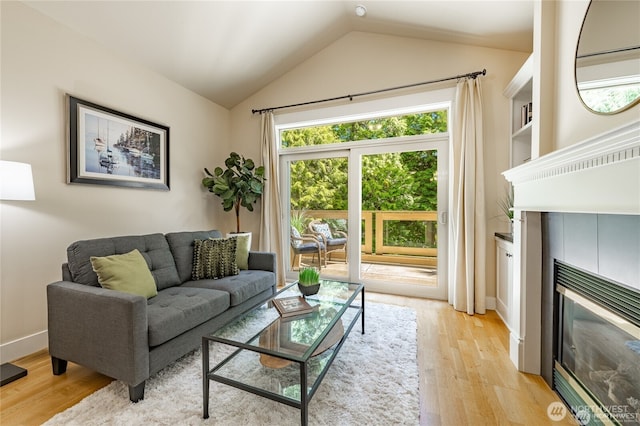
334	240
305	244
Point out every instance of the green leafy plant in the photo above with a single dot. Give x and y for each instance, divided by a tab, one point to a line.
506	204
308	276
299	220
241	184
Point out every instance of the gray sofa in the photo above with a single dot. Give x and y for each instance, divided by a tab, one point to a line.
130	338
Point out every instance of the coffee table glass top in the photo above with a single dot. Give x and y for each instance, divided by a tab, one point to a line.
256	328
276	346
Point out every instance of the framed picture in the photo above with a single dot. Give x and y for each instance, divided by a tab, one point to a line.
108	147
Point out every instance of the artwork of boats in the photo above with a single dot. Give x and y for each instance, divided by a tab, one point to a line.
131	152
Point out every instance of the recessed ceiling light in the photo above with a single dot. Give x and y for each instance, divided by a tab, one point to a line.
361	10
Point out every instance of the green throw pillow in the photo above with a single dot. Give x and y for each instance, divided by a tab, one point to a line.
242	250
125	272
214	258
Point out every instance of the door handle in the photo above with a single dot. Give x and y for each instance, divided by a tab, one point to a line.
443	218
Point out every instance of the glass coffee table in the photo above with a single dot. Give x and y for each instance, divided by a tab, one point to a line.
284	358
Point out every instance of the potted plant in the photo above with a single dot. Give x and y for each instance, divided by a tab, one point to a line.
309	281
241	184
506	205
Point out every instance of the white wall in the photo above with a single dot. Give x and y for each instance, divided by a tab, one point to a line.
41	61
361	62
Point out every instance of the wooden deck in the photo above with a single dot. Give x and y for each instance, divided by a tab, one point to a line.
426	276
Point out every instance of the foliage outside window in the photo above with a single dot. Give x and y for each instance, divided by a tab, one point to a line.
376	128
609	99
405	181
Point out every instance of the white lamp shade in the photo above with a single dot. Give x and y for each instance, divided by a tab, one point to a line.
16	181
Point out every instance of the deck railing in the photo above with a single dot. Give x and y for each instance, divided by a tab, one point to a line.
376	246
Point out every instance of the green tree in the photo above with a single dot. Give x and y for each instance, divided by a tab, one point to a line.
386	183
319	184
404	181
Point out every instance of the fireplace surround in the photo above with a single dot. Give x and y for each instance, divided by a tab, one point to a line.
579	205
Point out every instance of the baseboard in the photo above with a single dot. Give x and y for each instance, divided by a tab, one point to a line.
490	303
516	346
503	320
15	349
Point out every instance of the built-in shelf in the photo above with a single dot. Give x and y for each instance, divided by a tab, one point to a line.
520	92
523	132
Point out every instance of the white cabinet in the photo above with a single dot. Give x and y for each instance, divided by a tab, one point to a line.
520	92
504	277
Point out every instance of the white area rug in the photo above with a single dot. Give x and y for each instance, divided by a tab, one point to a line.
372	381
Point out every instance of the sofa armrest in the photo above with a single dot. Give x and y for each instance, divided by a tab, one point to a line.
261	260
104	330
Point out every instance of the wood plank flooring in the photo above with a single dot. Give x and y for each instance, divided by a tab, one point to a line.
466	377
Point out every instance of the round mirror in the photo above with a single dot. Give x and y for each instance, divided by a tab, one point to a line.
608	56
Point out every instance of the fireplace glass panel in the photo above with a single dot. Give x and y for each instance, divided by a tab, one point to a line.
602	356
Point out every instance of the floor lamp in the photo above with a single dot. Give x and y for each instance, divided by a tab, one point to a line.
16	184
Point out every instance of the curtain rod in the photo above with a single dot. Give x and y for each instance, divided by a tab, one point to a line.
350	97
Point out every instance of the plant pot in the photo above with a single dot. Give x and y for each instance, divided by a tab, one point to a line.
308	290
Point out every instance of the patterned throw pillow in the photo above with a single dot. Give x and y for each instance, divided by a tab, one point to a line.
214	258
296	234
323	229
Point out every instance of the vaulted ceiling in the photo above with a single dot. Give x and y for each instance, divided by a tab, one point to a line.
227	50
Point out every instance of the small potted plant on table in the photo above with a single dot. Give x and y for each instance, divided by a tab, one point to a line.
308	281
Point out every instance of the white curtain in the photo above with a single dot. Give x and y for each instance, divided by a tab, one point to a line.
270	219
467	291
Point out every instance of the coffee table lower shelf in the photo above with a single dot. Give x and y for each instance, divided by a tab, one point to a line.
244	370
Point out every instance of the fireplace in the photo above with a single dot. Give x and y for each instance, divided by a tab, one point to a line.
580	206
597	363
596	177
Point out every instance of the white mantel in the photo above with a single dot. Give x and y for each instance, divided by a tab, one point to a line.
598	175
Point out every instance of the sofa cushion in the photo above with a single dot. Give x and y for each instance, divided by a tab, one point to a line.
241	287
153	247
181	245
214	258
128	273
336	241
178	309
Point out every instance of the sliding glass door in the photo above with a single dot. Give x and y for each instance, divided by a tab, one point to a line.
318	194
386	204
402	197
365	198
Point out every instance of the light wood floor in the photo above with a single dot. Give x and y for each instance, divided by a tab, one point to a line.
466	377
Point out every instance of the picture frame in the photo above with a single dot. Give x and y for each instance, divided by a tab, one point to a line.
108	147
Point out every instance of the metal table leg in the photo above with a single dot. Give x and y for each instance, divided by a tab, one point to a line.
205	379
362	310
304	402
